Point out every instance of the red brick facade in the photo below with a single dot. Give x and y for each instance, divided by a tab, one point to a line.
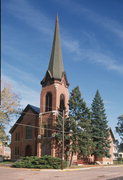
56	89
20	145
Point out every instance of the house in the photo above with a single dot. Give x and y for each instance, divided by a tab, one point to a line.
5	151
27	132
113	151
120	154
120	150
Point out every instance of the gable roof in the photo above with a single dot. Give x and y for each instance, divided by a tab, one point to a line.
35	110
111	132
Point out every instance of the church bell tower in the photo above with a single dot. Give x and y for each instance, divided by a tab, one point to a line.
54	95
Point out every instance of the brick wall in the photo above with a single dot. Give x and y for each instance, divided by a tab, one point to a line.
18	145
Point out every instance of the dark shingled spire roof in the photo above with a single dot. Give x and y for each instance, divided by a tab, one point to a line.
55	69
56	65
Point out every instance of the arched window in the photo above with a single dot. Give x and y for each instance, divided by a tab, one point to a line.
48	106
62	102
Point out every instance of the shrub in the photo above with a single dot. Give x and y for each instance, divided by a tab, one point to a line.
45	162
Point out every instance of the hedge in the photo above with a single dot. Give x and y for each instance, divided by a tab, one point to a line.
45	162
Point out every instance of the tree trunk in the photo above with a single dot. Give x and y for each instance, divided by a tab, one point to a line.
71	159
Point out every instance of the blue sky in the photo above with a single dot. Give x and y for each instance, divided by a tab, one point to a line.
92	48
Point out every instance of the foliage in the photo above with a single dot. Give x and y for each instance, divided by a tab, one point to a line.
77	136
3	137
120	147
10	104
45	162
82	124
74	115
85	142
100	129
119	127
59	136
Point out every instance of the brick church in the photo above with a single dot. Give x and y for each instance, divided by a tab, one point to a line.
26	134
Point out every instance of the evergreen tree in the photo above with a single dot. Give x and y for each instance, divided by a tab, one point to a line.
58	135
100	129
77	127
81	140
85	142
74	115
119	127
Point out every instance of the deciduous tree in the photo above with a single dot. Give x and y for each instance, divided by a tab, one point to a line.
9	107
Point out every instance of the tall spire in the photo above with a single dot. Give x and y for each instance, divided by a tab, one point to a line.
56	67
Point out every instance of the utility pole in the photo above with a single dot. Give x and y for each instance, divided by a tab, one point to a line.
40	134
41	129
62	161
41	125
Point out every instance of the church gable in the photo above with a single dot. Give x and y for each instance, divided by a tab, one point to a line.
29	110
64	80
47	79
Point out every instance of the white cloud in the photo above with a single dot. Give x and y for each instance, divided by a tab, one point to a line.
94	55
31	16
106	22
106	60
22	75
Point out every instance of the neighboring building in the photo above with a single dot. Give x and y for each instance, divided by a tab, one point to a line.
34	122
5	151
120	150
120	154
113	151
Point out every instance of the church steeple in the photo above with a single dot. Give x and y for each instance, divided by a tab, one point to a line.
55	69
56	65
54	96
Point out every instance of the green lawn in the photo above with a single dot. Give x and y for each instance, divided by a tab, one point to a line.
6	162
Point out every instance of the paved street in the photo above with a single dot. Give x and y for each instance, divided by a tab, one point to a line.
101	173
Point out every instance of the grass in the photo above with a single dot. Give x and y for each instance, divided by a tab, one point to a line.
118	162
6	162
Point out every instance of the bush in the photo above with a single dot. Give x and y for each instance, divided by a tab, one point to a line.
45	162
